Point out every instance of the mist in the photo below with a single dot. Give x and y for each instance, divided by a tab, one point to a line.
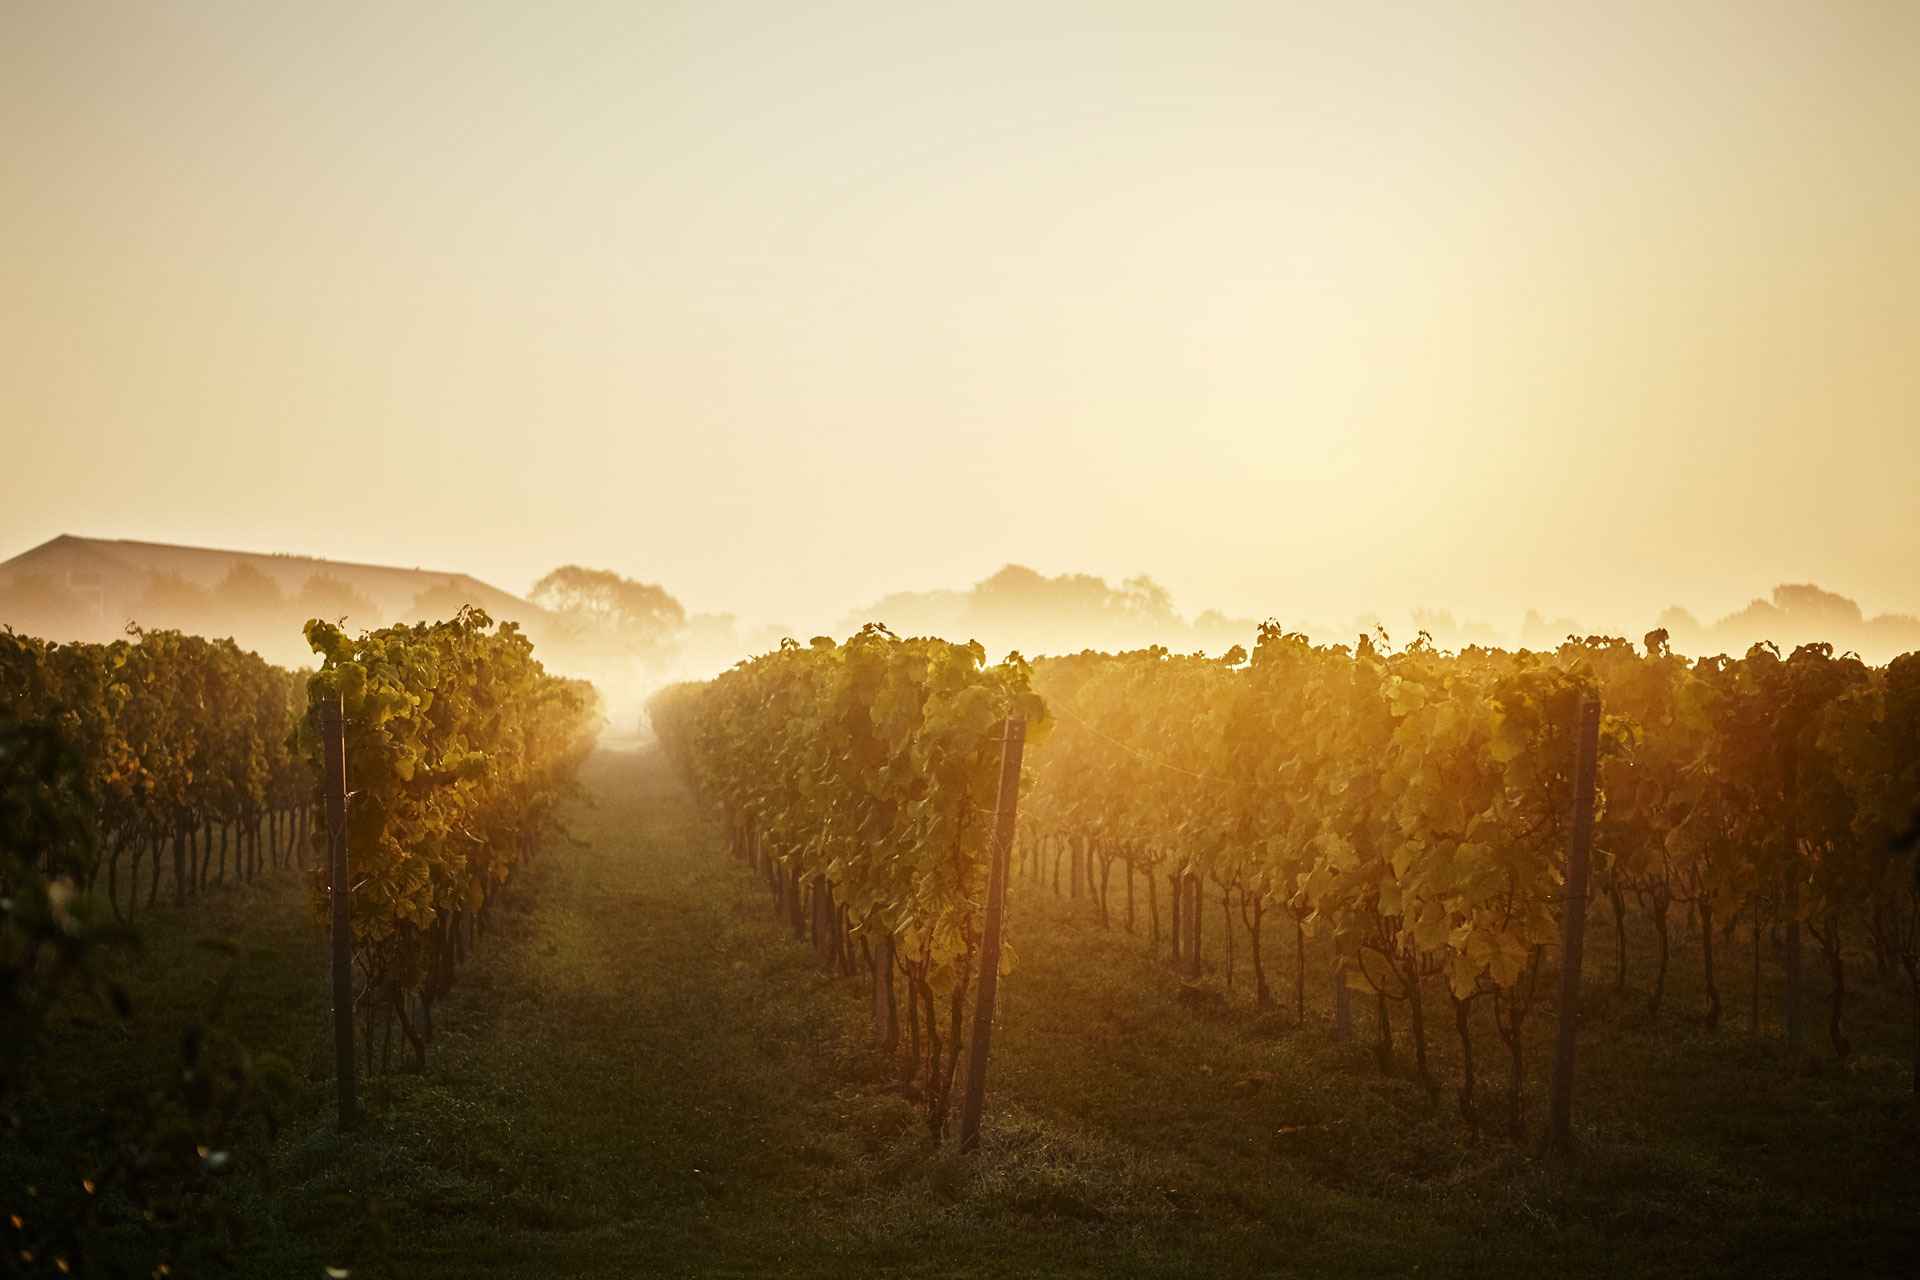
631	637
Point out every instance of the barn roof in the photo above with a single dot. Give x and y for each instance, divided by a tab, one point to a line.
392	587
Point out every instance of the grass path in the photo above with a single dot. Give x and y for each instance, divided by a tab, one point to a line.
643	1076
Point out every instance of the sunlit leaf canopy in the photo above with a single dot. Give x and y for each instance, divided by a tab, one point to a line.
873	764
1415	804
461	750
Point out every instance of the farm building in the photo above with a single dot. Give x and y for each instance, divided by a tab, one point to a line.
74	588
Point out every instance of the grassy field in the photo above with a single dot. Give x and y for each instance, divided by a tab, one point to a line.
642	1076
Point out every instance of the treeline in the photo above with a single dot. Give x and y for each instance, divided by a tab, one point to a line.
460	750
619	633
183	764
244	602
1794	613
858	781
1021	608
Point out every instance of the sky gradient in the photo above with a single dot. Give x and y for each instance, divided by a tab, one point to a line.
1309	310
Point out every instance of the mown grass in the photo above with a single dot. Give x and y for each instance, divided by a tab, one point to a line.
642	1075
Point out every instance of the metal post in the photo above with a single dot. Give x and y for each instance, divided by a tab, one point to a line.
340	943
1573	928
1013	746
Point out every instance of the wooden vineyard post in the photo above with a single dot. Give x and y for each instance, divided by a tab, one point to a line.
886	1025
1342	1004
1194	898
340	937
1573	929
1013	747
1790	993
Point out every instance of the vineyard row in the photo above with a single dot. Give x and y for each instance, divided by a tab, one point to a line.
1408	810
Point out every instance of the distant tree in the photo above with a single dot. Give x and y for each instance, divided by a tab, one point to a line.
246	587
1217	632
1684	632
1537	632
601	613
1450	633
439	602
327	597
1024	607
1142	599
247	599
915	613
1758	613
1802	612
1809	606
36	604
1019	593
1760	620
1888	634
173	602
1018	607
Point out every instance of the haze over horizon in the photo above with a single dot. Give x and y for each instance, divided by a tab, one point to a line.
1301	312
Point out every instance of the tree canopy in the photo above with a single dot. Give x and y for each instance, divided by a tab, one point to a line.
603	613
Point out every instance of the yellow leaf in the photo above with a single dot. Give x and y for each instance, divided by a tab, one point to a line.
1430	934
1462	976
1403	858
1508	740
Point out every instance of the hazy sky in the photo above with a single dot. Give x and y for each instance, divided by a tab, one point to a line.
1304	309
